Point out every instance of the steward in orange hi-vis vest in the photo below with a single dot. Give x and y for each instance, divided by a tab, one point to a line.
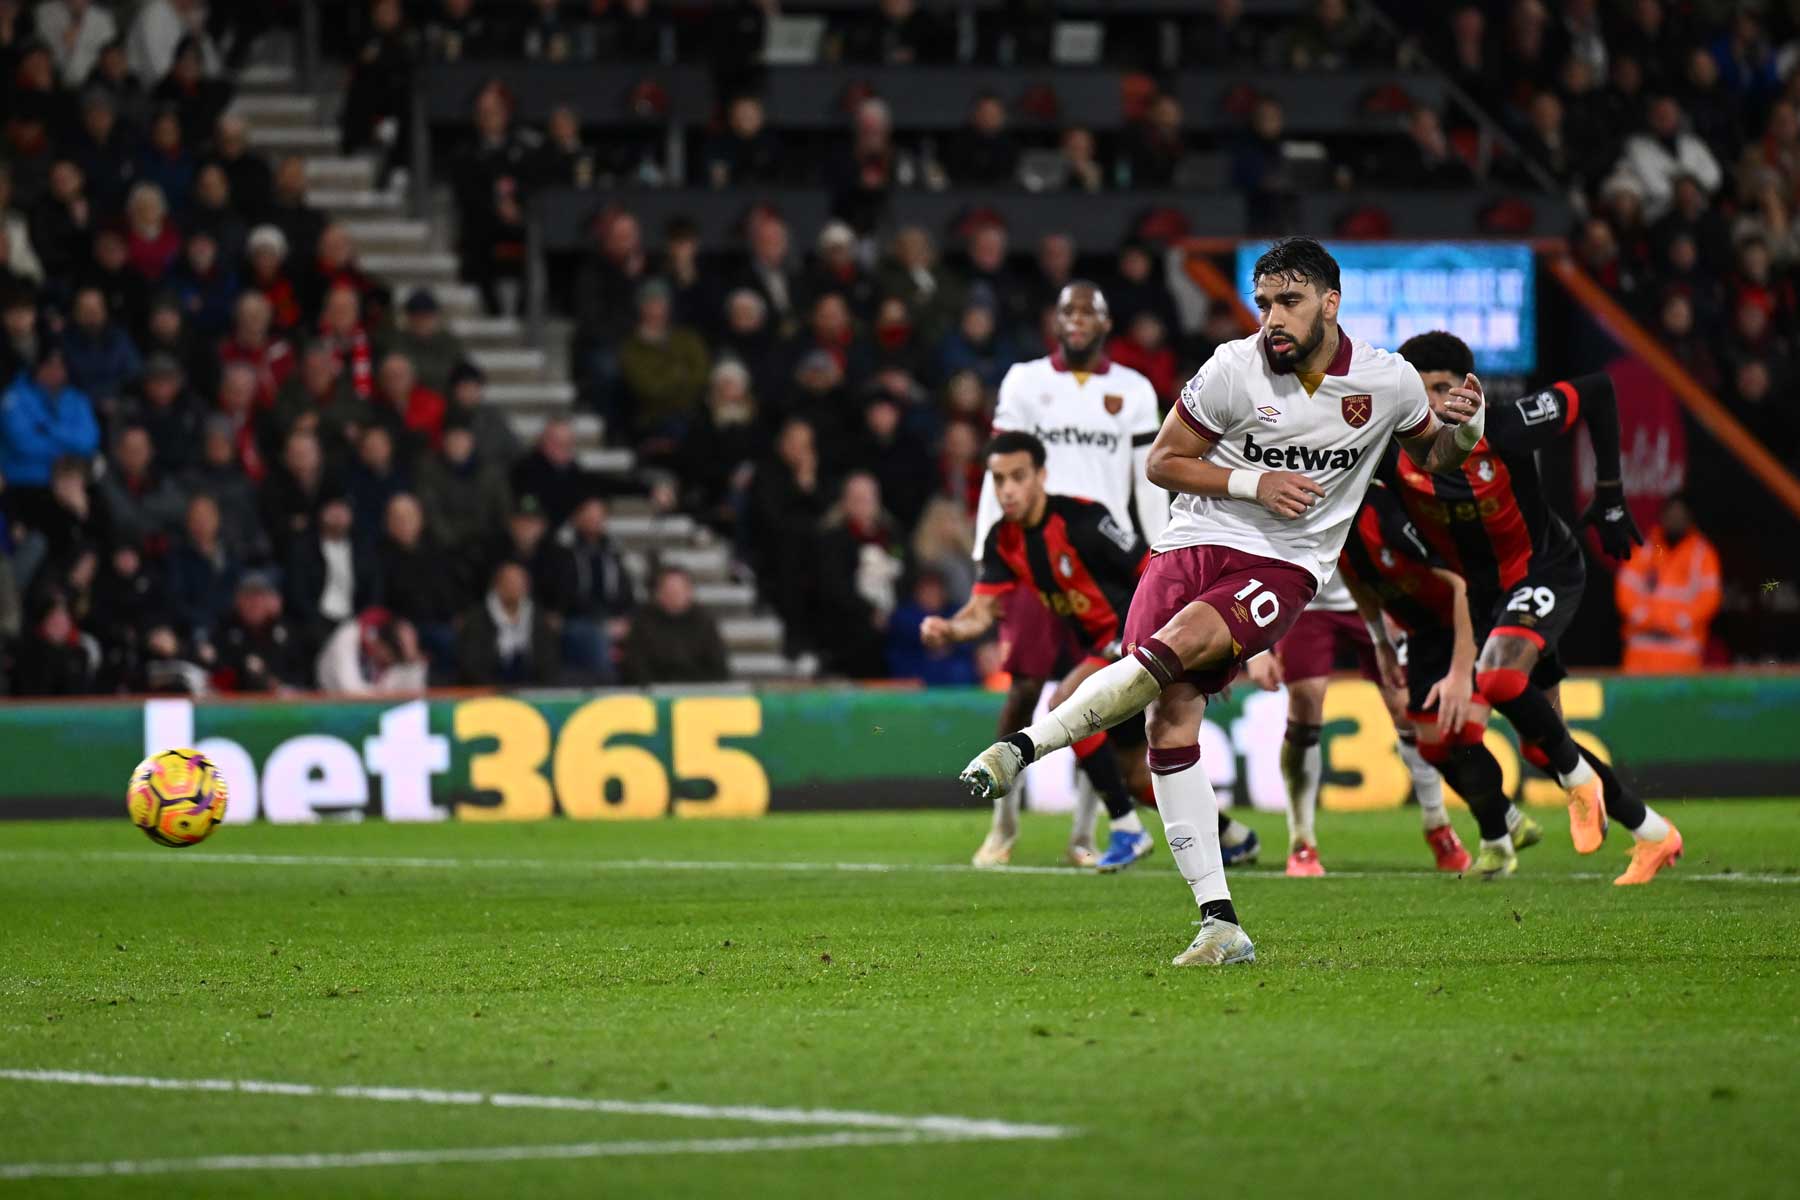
1668	593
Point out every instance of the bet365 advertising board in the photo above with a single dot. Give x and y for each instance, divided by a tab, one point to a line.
622	755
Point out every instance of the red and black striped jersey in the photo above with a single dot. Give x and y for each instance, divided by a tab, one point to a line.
1385	554
1083	565
1488	518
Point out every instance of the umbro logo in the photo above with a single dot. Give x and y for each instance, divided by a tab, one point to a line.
1180	843
1267	414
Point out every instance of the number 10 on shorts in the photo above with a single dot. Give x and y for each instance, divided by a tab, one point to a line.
1264	608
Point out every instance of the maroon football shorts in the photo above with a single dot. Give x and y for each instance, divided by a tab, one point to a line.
1038	643
1312	646
1260	599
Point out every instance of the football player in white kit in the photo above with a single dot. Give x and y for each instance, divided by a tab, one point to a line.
1270	450
1096	419
1303	660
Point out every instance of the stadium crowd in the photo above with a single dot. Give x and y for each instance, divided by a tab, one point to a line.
234	459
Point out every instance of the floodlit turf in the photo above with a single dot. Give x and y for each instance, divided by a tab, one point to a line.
1401	1034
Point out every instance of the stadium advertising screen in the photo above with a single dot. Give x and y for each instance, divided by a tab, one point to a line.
1484	292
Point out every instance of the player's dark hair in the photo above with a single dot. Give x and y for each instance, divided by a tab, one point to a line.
1438	351
1299	258
1012	442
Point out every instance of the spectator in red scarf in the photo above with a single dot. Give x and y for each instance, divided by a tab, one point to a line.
333	266
266	254
959	465
835	269
252	343
419	408
152	243
341	328
829	328
237	401
1144	347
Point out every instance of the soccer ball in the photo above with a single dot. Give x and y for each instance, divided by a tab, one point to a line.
177	797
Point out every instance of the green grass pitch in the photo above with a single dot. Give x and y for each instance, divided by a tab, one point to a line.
1401	1034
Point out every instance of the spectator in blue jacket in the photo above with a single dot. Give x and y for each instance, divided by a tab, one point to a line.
907	657
202	574
43	419
103	360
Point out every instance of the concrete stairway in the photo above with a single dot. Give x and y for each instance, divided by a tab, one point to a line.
527	380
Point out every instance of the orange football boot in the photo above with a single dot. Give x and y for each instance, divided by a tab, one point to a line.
1647	858
1587	816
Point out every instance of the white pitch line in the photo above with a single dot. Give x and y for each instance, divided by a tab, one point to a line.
483	1154
661	864
929	1125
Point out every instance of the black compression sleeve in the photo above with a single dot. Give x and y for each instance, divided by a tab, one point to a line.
1600	411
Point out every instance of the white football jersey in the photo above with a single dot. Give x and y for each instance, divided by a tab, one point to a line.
1333	596
1260	419
1096	429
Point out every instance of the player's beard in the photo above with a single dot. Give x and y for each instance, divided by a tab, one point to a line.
1082	358
1299	352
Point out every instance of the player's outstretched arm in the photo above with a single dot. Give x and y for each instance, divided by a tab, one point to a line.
1178	462
968	623
1368	607
1444	444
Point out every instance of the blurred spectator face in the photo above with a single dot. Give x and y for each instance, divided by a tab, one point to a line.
257	604
1078	145
682	246
837	248
20	319
653	311
961	442
1751	321
302	456
334	519
237	389
1665	117
52	374
491	114
385	15
1165	115
558	443
109	250
1577	76
468	392
1683	254
165	133
146	208
231	137
987	248
769	241
202	521
1627	75
1135	263
893	323
1689	200
1147	331
745	117
290	180
978	323
1677	316
459	444
98	119
202	253
1784	125
564	127
125	560
376	450
674	592
216	450
512	586
989	116
342	311
1597	247
424	323
36	72
882	417
964	396
187	67
1753	381
396	379
334	246
896	10
862	500
1702	70
589	519
526	528
1427	131
728	394
796	448
1753	260
90	310
913	250
165	323
745	312
162	388
405	520
132	452
1677	518
818	373
65	180
929	592
319	369
831	319
622	238
211	188
1267	119
251	319
872	125
1056	256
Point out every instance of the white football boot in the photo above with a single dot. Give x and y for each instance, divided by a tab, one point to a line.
992	772
1217	944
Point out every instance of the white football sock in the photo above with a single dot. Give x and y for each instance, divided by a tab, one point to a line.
1427	786
1104	699
1653	828
1580	775
1503	845
1087	809
1129	823
1234	833
1301	769
1190	814
1514	818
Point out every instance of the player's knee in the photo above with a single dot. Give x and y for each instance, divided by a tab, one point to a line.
1501	684
1303	734
1198	635
1306	701
1508	651
1171	727
1436	750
